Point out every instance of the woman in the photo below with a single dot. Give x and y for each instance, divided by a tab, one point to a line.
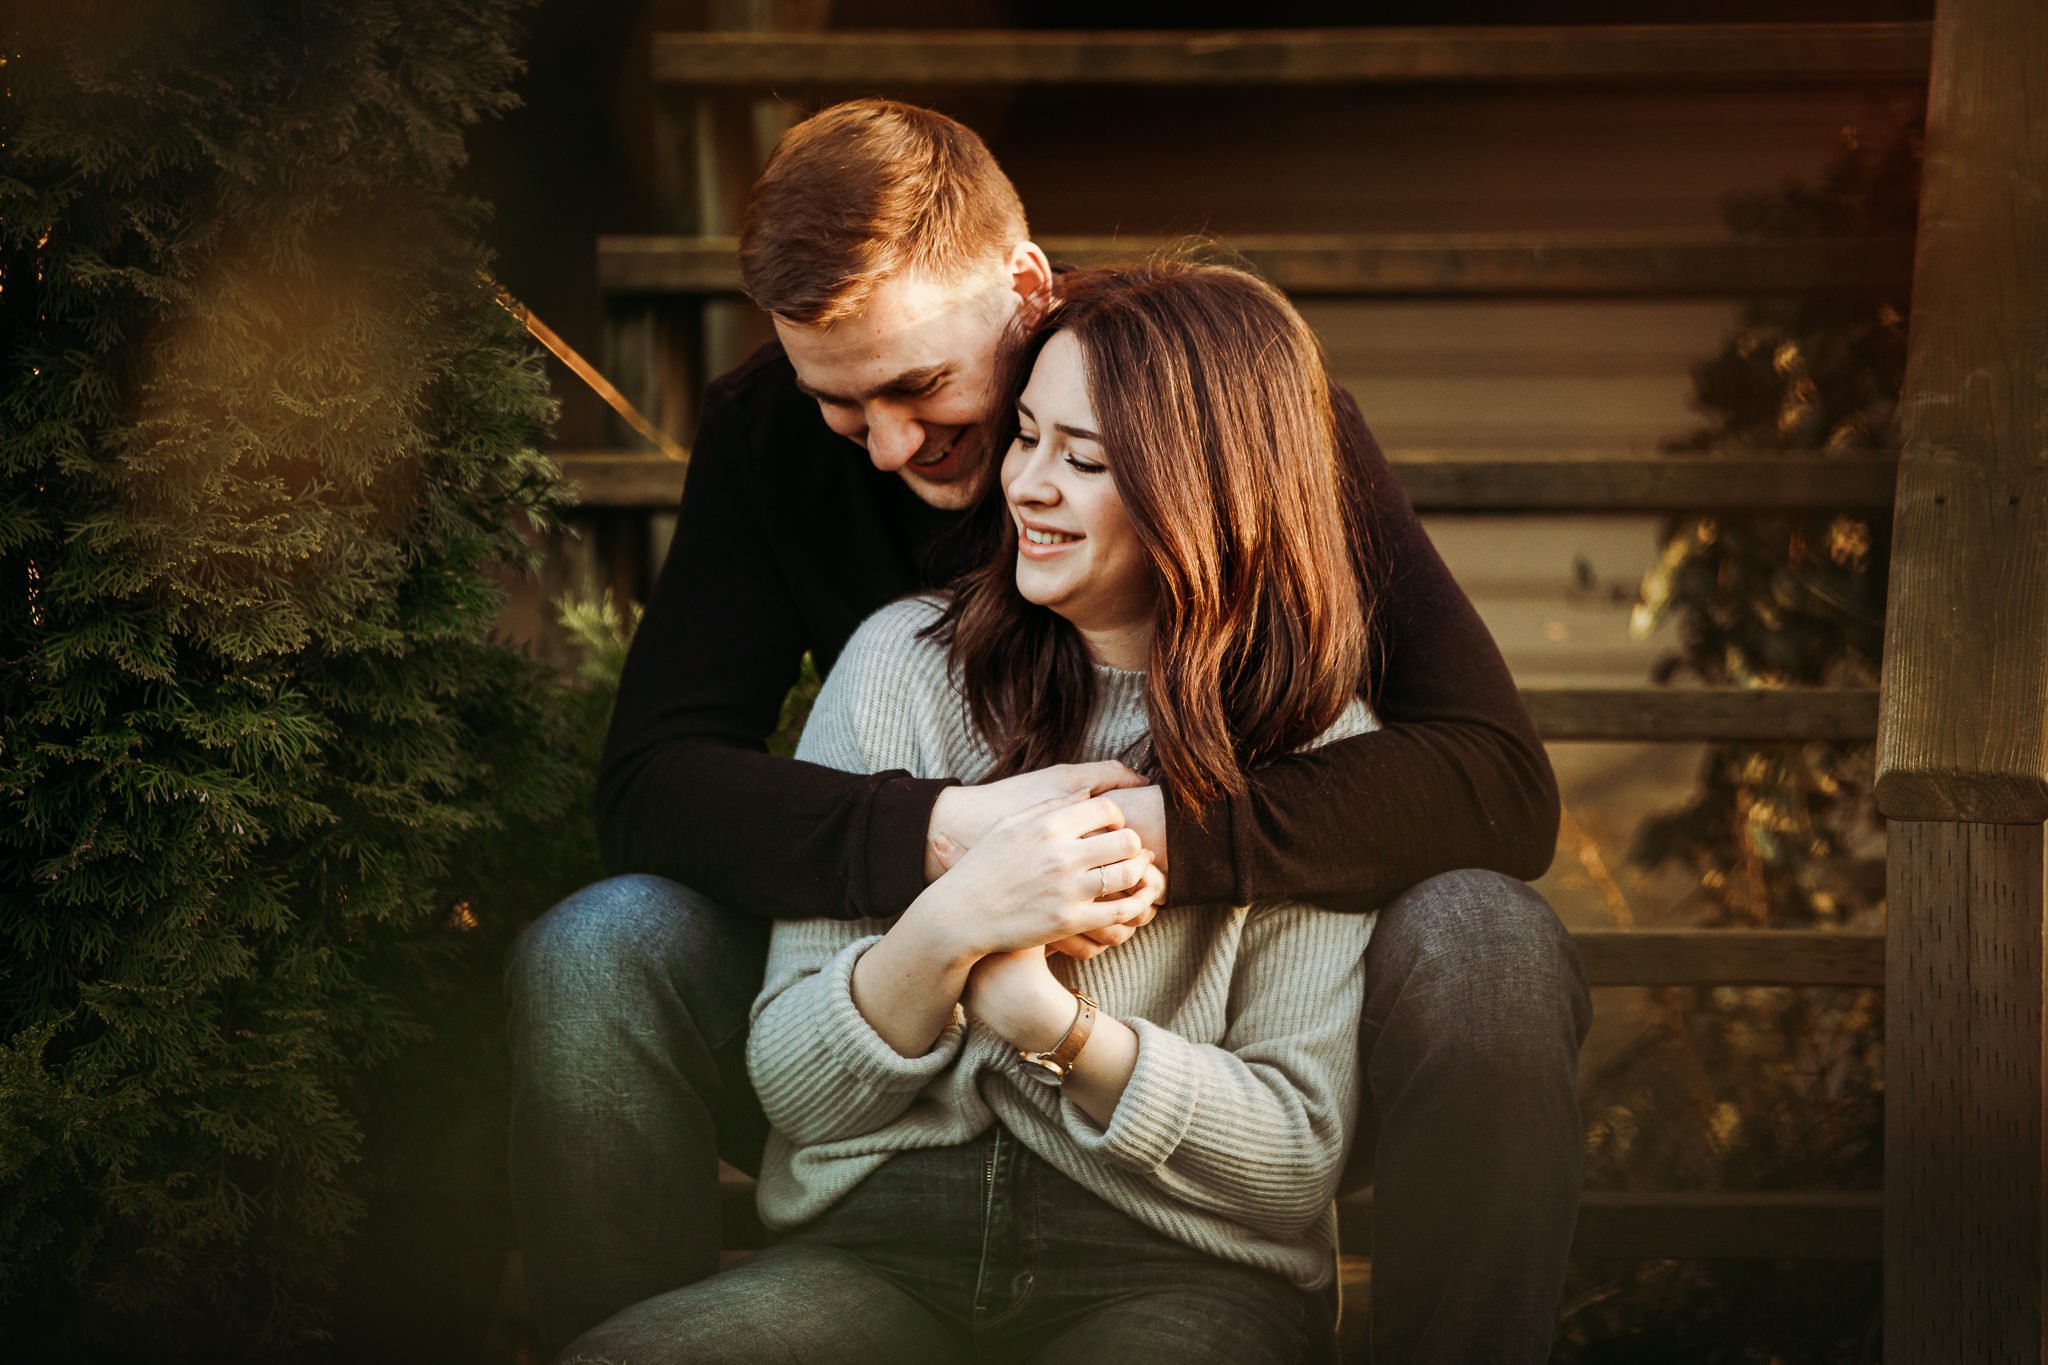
982	1150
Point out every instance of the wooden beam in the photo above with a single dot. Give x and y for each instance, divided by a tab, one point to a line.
1962	757
1391	265
1728	1225
1578	481
1434	482
1716	1224
1965	733
1767	957
1648	54
1963	1093
614	478
1679	714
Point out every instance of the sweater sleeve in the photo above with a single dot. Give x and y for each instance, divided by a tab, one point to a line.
819	1067
1457	777
687	788
1254	1127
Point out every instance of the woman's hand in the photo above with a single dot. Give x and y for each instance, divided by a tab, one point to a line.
1063	867
1017	996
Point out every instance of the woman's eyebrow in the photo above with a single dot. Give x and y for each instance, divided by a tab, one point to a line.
1073	432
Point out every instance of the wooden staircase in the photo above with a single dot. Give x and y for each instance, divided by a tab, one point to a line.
1952	1293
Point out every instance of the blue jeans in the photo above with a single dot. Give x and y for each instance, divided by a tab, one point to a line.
628	1014
981	1252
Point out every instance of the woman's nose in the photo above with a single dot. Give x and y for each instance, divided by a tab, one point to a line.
1031	482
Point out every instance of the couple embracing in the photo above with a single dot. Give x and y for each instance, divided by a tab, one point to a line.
1139	879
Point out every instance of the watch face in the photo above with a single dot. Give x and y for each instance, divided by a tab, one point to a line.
1041	1068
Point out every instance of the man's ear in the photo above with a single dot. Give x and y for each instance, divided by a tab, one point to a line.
1031	277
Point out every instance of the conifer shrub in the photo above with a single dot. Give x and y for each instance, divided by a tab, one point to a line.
272	791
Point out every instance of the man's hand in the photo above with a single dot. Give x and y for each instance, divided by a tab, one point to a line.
967	814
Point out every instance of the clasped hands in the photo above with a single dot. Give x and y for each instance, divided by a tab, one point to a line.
1066	859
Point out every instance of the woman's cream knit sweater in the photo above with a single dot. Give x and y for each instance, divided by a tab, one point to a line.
1235	1124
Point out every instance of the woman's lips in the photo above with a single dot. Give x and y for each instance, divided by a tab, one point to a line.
1031	549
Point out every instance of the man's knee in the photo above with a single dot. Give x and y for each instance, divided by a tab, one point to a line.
1481	948
628	944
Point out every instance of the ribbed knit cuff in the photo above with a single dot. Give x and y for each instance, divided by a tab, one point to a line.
849	1043
1157	1107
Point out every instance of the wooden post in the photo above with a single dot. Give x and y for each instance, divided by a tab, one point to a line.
1963	730
735	133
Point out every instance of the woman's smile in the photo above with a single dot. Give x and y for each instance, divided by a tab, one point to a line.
1042	542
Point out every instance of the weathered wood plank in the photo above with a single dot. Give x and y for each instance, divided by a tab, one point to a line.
1567	482
1965	733
1718	1224
1728	1225
1492	265
612	478
1768	957
1679	714
1575	481
1964	1142
1661	54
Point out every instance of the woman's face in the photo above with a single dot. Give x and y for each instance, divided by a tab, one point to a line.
1076	550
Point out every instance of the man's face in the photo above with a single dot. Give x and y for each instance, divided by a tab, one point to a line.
909	377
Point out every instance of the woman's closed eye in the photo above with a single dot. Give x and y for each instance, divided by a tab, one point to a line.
1078	463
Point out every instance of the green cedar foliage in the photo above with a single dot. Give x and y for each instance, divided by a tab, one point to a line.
267	450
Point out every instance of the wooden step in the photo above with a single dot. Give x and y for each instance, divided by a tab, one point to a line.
1715	1224
1735	957
1401	265
1440	481
1575	481
1645	54
1702	714
1570	481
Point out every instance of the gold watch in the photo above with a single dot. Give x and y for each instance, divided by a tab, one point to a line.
1052	1067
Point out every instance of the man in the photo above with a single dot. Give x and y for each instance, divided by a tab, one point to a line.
893	254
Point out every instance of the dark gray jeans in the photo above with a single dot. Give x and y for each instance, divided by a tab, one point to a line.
628	1013
980	1252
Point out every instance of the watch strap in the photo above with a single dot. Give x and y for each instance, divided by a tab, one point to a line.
1060	1060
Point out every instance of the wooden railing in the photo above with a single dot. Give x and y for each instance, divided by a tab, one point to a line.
659	273
1962	757
1454	265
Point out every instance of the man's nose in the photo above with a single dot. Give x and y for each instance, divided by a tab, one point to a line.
892	440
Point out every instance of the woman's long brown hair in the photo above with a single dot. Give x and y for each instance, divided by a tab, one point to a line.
1214	409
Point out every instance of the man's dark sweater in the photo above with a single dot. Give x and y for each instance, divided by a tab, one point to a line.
789	538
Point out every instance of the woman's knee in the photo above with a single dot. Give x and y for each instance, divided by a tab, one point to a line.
795	1304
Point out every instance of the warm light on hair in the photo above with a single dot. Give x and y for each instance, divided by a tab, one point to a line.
1217	419
865	191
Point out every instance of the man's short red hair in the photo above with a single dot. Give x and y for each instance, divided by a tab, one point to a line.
864	191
